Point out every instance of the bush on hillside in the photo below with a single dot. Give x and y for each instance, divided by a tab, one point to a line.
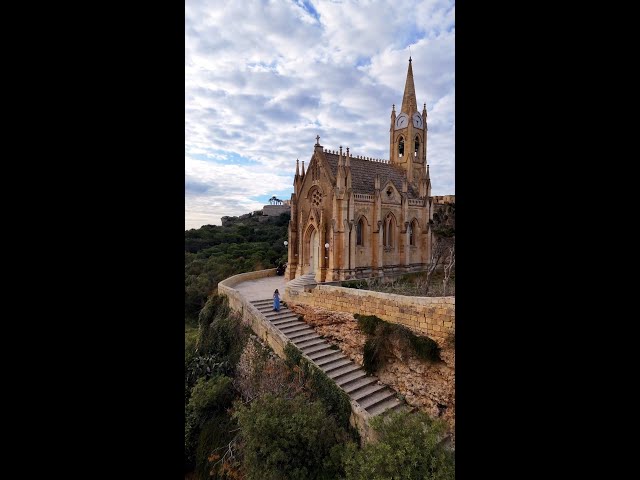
410	447
290	439
321	387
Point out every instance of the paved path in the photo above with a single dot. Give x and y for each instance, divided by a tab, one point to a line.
366	390
261	288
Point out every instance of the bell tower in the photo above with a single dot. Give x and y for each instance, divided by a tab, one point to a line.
408	134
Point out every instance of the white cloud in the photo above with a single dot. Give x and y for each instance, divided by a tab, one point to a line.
263	78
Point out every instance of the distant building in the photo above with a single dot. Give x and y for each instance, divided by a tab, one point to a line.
276	207
372	215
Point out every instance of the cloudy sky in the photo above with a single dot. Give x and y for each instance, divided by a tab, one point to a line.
264	77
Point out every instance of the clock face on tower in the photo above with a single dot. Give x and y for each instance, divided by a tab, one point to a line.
402	121
417	120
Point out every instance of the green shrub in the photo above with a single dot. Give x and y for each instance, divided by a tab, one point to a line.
367	323
212	442
372	357
358	284
410	447
212	395
381	337
293	355
290	439
322	387
220	331
209	398
424	347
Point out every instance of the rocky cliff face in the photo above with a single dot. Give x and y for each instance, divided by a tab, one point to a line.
428	386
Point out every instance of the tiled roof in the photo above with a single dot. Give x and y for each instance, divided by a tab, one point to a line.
363	174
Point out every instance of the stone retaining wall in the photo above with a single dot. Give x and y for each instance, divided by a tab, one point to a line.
276	340
431	316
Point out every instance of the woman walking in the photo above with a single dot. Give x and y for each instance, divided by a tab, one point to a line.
276	301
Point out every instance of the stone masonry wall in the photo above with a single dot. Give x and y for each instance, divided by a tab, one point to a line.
430	316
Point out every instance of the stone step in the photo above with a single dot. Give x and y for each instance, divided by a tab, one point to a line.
271	315
376	398
366	391
295	328
301	333
266	301
352	387
277	321
304	337
350	377
269	306
290	323
260	302
318	355
342	371
333	364
314	348
264	306
323	361
309	343
391	403
270	312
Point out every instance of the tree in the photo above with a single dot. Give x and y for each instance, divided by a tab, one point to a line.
443	229
290	439
410	446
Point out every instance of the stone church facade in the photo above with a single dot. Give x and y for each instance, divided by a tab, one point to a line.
358	217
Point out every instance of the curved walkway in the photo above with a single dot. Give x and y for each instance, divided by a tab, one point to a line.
367	391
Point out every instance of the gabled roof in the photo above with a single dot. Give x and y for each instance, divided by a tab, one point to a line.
363	174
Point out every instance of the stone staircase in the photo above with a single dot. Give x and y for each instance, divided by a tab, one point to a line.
301	282
367	391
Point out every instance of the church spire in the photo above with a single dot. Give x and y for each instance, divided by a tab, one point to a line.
409	104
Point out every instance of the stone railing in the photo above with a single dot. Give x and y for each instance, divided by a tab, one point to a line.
416	201
363	197
431	316
249	313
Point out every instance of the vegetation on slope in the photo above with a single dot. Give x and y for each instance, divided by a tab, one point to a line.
213	253
251	415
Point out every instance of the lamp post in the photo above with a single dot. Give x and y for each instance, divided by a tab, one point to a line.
326	246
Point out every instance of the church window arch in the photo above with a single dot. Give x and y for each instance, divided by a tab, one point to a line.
417	146
387	232
412	233
401	146
360	232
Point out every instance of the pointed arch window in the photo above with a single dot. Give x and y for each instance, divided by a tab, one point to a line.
412	234
401	147
387	234
417	146
384	234
359	229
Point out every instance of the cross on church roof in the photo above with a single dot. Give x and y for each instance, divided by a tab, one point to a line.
317	139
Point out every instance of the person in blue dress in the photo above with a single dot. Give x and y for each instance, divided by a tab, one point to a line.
276	301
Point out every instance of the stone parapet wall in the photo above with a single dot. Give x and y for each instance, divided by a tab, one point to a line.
430	316
276	340
275	210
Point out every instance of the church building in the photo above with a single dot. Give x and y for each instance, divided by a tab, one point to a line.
354	216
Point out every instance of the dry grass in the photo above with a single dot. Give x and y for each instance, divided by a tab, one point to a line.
413	285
